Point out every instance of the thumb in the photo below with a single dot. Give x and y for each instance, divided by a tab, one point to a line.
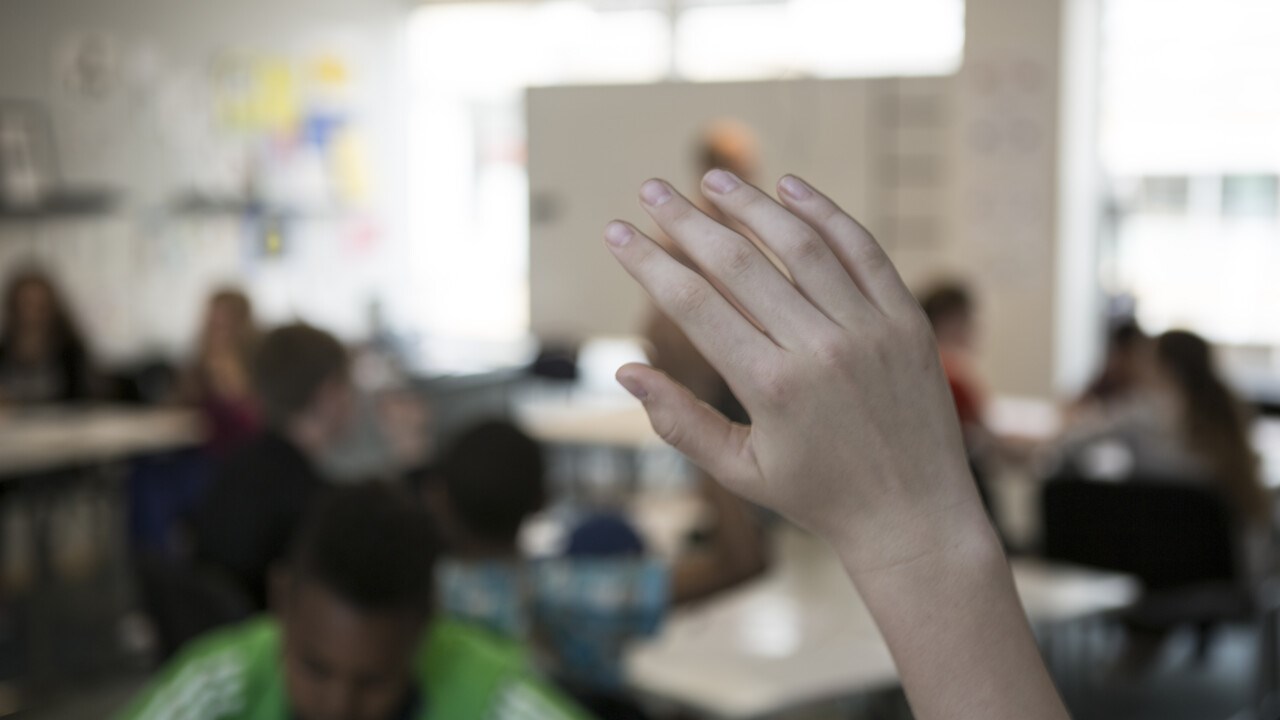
691	426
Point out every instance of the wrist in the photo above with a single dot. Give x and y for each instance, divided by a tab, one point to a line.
921	542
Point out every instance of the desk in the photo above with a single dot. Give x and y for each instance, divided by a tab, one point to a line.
64	544
802	635
48	439
582	429
621	424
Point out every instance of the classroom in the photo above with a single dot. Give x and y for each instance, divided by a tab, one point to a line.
639	360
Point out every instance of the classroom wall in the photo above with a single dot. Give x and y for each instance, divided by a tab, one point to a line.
960	176
138	274
878	146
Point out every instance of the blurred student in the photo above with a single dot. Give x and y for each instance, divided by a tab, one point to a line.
950	309
1127	360
219	380
1183	424
43	358
353	636
606	591
260	492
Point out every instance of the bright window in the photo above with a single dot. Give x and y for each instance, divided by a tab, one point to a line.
1190	141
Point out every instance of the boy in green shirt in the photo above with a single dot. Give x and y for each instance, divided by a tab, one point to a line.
353	637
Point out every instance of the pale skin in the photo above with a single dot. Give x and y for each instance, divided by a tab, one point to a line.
853	432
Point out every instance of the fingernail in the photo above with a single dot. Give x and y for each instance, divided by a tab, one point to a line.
721	181
617	233
655	192
795	188
633	387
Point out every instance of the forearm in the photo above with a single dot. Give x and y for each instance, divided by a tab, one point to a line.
957	630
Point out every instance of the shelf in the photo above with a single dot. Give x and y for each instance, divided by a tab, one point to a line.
68	204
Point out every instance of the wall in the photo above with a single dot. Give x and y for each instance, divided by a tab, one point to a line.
138	274
965	176
878	146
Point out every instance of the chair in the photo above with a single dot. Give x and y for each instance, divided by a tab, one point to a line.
1179	539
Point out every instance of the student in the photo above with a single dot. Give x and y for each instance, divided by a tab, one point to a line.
219	380
853	430
1123	369
606	590
353	637
950	309
1180	423
43	358
260	493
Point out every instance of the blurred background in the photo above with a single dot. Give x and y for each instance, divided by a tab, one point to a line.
428	181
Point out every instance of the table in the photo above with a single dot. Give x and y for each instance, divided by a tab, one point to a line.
802	635
64	546
48	439
603	422
582	428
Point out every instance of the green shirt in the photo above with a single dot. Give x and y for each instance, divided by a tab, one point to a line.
235	674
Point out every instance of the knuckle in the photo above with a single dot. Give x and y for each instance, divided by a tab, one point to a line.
688	299
831	215
680	213
773	385
808	246
669	429
832	353
738	260
752	201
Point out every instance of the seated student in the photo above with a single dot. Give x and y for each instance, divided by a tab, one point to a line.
1123	369
605	592
353	636
219	379
853	433
1182	423
43	358
950	309
260	493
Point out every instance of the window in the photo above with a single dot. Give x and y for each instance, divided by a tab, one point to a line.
1190	142
1250	196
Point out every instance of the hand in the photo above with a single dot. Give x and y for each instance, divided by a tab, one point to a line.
854	433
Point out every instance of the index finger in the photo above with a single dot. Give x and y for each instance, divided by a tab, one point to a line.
718	330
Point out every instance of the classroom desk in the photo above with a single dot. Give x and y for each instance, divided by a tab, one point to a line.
802	635
48	439
609	423
62	483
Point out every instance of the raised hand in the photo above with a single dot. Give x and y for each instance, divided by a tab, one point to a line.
854	433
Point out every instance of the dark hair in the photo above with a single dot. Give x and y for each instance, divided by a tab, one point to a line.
242	307
1215	423
1115	380
369	544
290	366
495	477
66	335
946	301
1125	335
